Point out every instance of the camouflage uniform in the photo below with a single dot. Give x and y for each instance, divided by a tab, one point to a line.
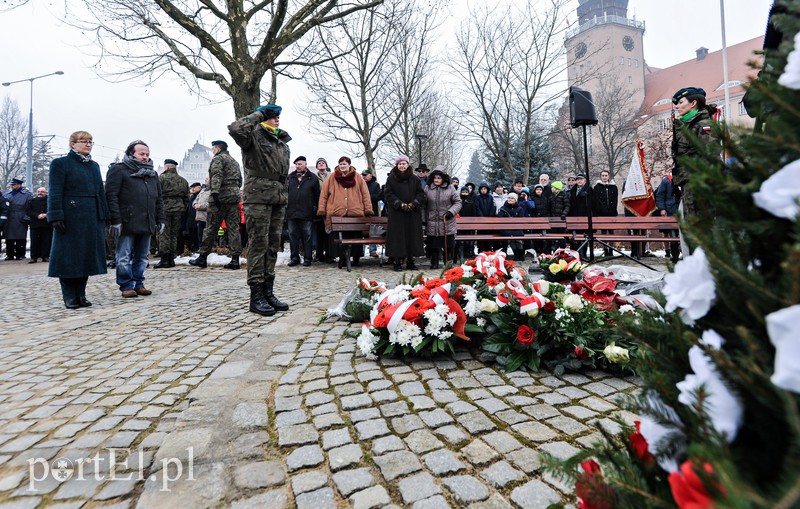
175	193
225	180
684	137
266	190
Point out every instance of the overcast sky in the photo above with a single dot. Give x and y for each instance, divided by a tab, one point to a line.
35	41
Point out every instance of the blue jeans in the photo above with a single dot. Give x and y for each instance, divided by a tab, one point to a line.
300	231
132	251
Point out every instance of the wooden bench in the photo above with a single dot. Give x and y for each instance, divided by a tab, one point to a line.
340	225
651	228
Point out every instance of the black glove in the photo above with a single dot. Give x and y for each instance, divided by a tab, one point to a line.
448	216
677	192
563	218
215	199
60	226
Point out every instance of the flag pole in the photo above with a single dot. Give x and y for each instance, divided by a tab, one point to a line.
728	113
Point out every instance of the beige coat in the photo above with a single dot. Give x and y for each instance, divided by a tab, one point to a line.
336	200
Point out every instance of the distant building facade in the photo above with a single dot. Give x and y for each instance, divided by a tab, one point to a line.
194	166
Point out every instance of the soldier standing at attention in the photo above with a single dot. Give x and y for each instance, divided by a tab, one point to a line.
224	182
175	193
265	155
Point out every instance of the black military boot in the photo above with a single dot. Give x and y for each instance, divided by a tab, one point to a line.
258	303
435	260
233	264
165	262
271	299
200	261
171	260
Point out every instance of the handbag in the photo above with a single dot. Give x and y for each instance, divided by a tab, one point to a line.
377	230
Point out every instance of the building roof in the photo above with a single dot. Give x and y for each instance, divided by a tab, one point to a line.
661	84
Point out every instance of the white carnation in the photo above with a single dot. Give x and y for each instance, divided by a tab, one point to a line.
691	287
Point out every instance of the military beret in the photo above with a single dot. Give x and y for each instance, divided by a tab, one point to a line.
687	91
171	161
196	184
17	180
299	158
270	111
219	143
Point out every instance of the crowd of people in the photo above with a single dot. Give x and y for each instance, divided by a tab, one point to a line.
79	219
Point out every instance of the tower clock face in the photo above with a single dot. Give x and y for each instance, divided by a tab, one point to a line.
627	43
580	50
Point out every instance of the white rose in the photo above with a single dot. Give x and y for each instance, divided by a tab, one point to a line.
782	332
615	353
533	313
780	194
691	287
573	303
489	306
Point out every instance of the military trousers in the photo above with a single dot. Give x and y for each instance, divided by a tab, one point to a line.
264	226
168	241
230	213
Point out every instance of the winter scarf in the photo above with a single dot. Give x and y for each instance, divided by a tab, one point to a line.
345	181
273	130
687	117
141	169
84	158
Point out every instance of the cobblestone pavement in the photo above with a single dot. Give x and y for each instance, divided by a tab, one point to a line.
184	399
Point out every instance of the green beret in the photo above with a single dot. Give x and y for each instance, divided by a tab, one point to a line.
687	91
171	161
270	111
219	143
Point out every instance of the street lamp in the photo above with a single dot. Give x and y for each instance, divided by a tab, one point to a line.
420	138
29	166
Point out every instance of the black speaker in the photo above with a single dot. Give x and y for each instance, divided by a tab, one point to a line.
581	108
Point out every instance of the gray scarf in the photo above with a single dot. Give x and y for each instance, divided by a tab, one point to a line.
84	158
141	169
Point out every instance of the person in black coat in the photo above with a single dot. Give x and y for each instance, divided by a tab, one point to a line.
667	205
484	207
301	210
405	200
193	228
559	207
41	231
133	192
604	200
76	207
466	248
511	209
579	207
16	228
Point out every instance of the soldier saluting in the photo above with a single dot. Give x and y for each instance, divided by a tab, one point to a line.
265	155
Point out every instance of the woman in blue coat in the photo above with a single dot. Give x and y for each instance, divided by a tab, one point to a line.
77	209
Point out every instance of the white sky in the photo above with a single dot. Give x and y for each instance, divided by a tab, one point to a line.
33	41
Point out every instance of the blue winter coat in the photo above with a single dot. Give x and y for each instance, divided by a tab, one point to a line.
16	224
665	200
76	196
484	206
508	211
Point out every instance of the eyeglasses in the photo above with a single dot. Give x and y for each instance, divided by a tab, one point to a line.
85	142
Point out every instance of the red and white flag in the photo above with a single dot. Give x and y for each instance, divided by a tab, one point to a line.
638	194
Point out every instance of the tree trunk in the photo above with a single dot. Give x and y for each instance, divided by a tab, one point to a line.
246	98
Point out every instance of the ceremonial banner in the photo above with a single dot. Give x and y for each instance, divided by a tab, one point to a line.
637	195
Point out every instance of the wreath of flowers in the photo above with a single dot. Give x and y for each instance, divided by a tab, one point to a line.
562	265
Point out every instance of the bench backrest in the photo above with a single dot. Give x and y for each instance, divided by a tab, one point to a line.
497	224
356	224
623	223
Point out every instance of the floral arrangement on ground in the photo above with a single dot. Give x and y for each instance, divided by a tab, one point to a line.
489	303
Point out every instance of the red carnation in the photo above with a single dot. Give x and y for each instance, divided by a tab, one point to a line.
688	489
583	355
526	335
639	446
591	490
454	274
549	306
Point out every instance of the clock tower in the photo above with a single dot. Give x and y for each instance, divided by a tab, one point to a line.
605	47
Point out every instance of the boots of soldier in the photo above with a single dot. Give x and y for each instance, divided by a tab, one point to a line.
258	304
233	264
165	262
271	299
435	260
172	260
200	261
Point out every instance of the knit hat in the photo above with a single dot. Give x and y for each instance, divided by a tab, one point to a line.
484	184
323	160
557	184
525	190
540	186
401	158
464	189
512	196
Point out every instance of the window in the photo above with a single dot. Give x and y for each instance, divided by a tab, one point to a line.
742	109
629	62
622	61
731	84
662	101
663	125
636	62
630	80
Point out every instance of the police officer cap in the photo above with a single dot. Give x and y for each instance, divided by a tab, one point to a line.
687	91
219	143
270	111
17	180
171	161
196	184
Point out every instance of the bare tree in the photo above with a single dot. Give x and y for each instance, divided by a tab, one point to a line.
13	140
509	63
567	143
232	44
7	5
375	69
616	116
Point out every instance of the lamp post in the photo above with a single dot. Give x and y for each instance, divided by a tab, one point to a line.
29	165
420	138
